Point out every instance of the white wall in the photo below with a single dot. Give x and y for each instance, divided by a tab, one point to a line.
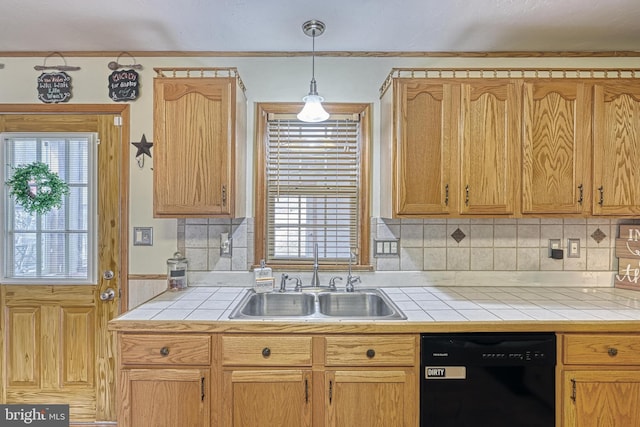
340	79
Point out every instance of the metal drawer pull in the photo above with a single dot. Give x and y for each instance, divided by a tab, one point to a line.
612	351
581	198
601	190
371	353
266	352
446	195
164	351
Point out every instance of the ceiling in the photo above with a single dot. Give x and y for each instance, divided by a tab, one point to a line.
351	25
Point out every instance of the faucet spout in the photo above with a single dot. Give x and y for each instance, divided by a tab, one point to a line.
315	279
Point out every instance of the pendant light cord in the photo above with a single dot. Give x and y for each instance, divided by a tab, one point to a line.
313	55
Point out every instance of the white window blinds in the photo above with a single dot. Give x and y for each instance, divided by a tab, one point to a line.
313	172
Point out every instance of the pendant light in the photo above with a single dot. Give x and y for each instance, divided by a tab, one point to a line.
313	111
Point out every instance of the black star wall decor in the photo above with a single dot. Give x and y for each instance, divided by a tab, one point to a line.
144	147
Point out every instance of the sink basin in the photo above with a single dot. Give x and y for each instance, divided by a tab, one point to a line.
278	305
313	305
354	304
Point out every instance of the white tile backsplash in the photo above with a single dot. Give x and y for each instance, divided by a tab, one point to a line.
501	244
490	244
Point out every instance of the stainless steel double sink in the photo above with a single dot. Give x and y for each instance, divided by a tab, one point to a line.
372	304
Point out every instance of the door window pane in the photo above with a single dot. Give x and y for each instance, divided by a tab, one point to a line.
60	244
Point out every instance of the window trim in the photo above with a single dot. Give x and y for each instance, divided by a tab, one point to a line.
260	195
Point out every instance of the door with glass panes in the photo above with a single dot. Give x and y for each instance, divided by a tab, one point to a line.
57	265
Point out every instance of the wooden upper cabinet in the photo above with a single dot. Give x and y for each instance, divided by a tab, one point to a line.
426	132
509	147
556	147
199	138
490	146
616	148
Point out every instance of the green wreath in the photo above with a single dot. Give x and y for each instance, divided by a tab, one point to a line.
36	188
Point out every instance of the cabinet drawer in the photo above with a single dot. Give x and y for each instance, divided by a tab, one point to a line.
593	349
375	350
138	349
266	350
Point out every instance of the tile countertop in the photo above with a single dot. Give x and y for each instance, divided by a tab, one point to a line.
425	305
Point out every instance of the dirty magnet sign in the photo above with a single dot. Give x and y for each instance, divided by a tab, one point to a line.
34	415
54	87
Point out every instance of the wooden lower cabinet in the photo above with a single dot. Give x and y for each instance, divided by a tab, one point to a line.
370	398
601	398
319	380
166	397
600	380
269	397
165	380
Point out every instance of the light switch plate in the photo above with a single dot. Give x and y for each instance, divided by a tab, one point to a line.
142	236
385	248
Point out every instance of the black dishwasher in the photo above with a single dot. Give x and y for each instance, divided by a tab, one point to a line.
488	380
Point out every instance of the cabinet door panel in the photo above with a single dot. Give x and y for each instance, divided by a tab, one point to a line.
426	130
165	398
616	175
192	147
370	398
601	398
267	397
490	144
555	149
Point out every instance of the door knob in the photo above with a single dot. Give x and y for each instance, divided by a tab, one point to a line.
108	294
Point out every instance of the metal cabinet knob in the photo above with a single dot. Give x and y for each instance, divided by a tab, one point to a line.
371	353
266	352
164	351
612	351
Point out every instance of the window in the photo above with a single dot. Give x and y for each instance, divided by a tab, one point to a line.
59	246
314	189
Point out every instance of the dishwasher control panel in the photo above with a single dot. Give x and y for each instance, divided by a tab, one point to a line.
523	356
488	349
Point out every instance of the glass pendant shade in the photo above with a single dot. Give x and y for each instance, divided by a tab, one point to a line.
313	111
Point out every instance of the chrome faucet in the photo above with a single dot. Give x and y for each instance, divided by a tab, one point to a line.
315	280
351	279
283	282
285	278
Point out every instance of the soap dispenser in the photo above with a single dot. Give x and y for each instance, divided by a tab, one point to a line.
263	280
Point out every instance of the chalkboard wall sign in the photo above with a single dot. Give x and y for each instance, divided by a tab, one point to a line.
124	85
54	87
628	253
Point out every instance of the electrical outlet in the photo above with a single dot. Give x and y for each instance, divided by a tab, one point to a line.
225	245
573	248
555	250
